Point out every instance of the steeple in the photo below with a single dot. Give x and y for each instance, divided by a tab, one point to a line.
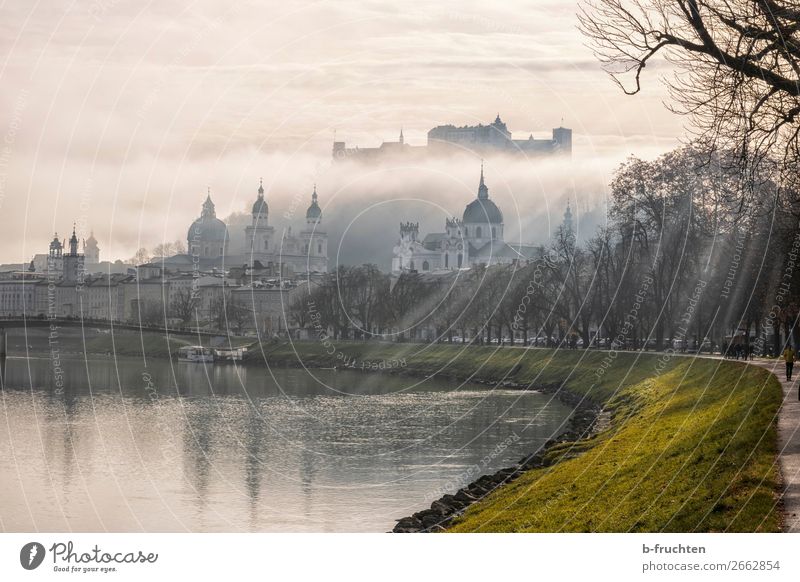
402	141
260	208
483	191
568	224
314	212
73	243
208	207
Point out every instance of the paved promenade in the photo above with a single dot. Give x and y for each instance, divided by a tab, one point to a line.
788	441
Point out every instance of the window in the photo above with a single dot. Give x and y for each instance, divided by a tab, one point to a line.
478	232
319	249
425	266
466	231
446	261
460	259
266	244
412	264
494	233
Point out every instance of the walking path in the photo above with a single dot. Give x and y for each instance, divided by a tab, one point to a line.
788	442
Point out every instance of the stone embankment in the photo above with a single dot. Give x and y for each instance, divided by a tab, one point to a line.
586	420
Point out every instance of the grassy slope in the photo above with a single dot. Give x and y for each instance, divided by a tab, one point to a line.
690	450
691	446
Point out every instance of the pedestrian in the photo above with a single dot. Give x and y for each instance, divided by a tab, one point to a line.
788	357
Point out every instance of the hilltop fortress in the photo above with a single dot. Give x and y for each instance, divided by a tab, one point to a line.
448	139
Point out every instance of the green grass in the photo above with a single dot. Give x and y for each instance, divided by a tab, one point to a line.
690	450
691	444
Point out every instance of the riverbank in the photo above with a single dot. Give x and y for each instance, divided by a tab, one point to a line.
688	444
102	342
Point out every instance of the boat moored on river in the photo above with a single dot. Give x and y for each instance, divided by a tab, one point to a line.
195	354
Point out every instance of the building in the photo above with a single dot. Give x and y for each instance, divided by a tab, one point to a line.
282	253
483	140
495	137
386	150
476	238
306	252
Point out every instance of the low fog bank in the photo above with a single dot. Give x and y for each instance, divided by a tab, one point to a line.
146	202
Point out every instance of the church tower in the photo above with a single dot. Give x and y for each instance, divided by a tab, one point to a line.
315	239
258	234
55	260
482	219
91	251
568	225
73	262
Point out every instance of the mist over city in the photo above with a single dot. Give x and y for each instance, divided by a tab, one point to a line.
399	268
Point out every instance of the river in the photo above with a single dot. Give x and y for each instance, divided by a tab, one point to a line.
114	445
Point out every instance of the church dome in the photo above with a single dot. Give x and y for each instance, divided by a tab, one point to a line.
482	211
260	205
314	212
208	228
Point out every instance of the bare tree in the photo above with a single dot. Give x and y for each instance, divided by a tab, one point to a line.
141	257
738	67
168	249
184	305
228	312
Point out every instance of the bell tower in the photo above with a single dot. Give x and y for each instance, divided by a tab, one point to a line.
258	234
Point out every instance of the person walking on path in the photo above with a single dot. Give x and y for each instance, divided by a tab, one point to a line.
788	357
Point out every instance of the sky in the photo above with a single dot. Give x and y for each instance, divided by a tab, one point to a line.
118	116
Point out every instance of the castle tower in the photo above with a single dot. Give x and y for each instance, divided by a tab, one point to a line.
409	231
404	249
562	140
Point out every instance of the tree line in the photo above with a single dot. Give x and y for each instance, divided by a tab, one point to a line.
683	259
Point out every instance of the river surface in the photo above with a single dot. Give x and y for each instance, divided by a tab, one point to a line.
112	445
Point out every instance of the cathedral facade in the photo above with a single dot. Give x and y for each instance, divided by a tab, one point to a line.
476	238
208	241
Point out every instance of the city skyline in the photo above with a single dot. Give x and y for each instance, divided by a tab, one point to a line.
153	104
